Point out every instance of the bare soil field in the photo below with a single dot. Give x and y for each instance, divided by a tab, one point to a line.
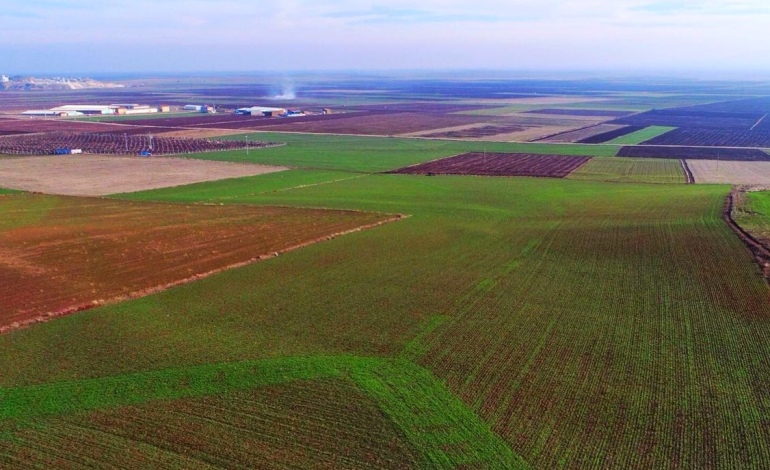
201	133
96	175
580	134
378	124
581	112
60	255
61	125
730	172
473	131
499	164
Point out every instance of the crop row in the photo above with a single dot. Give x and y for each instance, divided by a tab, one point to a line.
693	153
613	134
682	117
499	164
115	143
759	137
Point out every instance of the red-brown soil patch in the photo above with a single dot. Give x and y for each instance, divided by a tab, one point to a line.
499	164
59	255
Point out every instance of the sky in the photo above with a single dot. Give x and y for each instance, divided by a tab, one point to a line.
103	36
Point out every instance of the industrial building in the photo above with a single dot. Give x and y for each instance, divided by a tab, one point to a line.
85	109
261	111
201	108
50	113
97	109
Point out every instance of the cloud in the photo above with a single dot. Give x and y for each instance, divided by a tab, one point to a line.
402	33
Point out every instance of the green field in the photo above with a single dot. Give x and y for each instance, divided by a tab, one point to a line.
752	212
630	170
578	321
376	154
640	136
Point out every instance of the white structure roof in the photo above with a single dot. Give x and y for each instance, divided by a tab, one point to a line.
262	109
82	107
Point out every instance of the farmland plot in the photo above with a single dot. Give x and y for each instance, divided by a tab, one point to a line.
759	137
61	255
305	424
111	143
630	170
693	153
590	325
730	172
98	175
499	164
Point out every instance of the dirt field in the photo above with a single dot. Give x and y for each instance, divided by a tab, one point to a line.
59	255
96	175
498	164
576	135
730	172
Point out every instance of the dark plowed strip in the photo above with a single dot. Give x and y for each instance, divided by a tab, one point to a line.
607	136
581	112
499	164
694	153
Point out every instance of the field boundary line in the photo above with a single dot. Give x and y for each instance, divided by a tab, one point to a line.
309	185
758	122
688	176
760	254
47	316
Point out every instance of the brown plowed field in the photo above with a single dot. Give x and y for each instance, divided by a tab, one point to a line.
55	124
61	254
580	134
499	164
476	132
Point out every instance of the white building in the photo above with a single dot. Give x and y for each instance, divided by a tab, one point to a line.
85	108
260	111
4	79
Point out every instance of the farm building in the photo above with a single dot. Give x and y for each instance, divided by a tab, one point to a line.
193	107
261	111
125	109
50	113
85	109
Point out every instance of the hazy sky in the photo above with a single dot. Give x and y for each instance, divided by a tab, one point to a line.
70	36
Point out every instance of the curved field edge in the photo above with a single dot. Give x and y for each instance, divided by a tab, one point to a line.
320	423
74	245
437	424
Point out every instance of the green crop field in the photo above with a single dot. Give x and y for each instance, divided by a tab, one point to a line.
505	322
630	170
640	136
752	212
376	154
